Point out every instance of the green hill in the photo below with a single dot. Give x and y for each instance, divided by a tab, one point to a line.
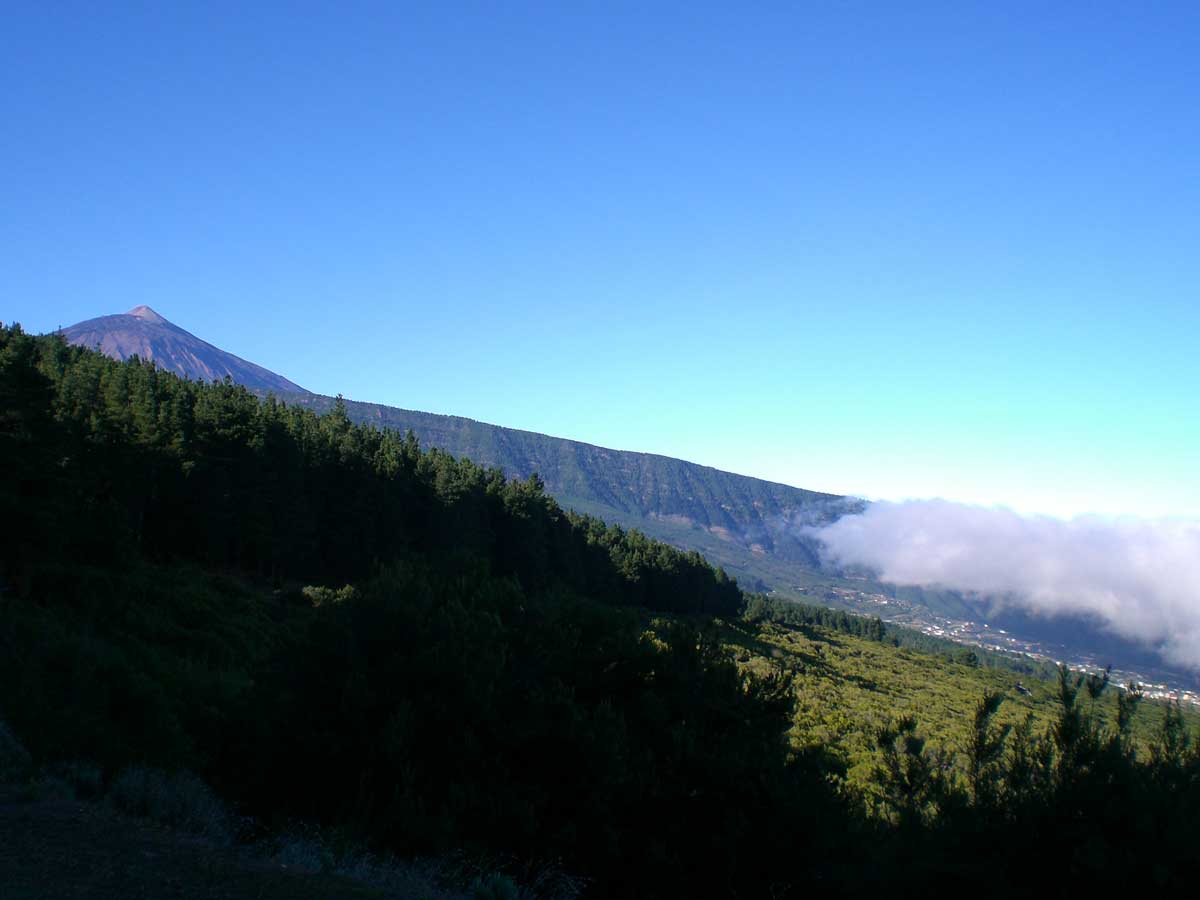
331	625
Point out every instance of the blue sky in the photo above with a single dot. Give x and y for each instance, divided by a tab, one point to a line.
899	250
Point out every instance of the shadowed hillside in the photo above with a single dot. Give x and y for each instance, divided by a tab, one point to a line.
736	520
753	528
328	624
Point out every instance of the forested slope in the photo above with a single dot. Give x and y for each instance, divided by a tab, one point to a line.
329	623
742	519
734	519
758	531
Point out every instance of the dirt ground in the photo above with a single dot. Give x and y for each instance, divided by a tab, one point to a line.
60	849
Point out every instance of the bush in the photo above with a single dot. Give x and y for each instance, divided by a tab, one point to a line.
180	800
85	778
48	787
301	849
15	761
494	887
308	848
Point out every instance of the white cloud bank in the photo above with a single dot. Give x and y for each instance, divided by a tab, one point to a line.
1142	577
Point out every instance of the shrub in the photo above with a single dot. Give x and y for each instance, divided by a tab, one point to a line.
494	887
15	761
48	787
180	800
85	778
307	848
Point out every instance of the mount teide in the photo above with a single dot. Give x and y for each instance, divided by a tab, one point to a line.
144	333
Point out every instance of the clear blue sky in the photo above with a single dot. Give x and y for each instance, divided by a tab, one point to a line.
895	249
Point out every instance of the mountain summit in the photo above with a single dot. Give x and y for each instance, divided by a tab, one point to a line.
146	314
144	333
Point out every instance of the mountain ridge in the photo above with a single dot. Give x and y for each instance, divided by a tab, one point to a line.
748	525
737	520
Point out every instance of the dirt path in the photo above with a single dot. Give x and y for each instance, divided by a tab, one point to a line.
64	850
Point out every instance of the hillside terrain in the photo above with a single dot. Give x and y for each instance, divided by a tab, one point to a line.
62	848
331	625
757	531
847	686
751	527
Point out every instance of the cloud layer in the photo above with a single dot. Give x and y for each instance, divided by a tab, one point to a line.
1142	577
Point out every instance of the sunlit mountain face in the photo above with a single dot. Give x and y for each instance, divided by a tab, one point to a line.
144	333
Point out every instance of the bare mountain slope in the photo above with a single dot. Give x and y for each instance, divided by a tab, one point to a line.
144	333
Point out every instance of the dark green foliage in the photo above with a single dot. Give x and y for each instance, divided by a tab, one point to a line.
15	761
912	778
760	608
473	709
119	462
178	800
985	753
1079	787
753	528
329	623
639	484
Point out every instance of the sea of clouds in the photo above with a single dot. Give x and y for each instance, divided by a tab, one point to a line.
1140	576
